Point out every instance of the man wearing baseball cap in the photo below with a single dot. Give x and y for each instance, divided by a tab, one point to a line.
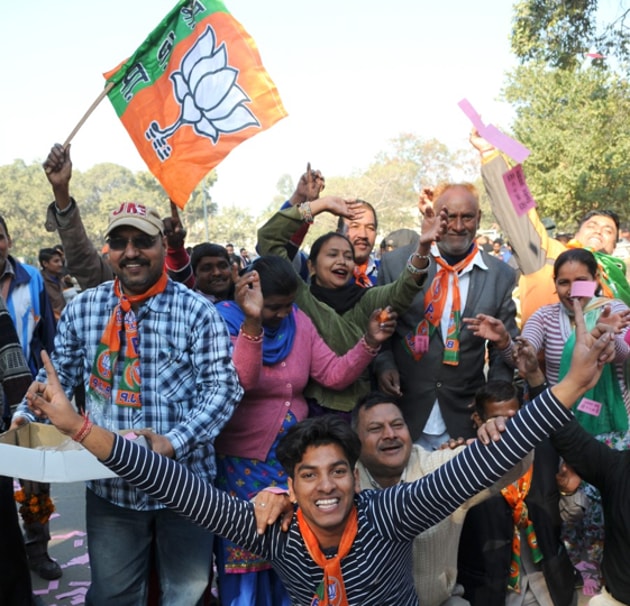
154	357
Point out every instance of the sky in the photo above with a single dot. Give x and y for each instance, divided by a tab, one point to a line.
352	74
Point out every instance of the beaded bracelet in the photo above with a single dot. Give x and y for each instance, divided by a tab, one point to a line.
253	339
306	212
416	270
85	429
371	350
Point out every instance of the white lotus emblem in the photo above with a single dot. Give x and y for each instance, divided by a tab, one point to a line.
211	101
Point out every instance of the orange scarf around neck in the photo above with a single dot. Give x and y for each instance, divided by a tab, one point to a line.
122	318
331	591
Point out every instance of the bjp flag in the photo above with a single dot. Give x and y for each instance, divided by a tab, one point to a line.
193	91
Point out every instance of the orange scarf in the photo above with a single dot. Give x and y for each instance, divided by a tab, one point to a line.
360	275
434	304
331	591
515	498
122	318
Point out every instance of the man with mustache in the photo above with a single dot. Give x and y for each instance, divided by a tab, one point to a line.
151	354
361	232
388	457
435	365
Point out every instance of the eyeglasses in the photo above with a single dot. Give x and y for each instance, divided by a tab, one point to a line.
142	242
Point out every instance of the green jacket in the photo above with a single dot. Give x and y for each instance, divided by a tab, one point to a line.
340	332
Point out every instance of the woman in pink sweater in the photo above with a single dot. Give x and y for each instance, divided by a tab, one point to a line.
276	350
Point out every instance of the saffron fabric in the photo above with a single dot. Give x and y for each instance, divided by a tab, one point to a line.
183	104
123	319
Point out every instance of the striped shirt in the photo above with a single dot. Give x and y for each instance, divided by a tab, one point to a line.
189	387
377	570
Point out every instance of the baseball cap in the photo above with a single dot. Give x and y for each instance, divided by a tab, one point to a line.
132	214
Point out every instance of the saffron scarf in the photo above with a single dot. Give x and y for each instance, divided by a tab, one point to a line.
514	495
277	341
434	303
361	277
331	591
108	352
607	392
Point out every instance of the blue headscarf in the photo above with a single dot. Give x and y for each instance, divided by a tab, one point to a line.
277	342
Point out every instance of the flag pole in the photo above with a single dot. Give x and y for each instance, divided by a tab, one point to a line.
92	107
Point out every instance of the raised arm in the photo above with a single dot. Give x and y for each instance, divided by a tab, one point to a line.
83	260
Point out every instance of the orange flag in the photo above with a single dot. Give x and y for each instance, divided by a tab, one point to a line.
193	91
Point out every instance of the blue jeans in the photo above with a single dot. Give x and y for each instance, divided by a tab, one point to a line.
120	546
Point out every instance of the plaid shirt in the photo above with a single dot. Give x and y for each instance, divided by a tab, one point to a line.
189	386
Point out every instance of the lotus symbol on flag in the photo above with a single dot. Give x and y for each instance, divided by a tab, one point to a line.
210	100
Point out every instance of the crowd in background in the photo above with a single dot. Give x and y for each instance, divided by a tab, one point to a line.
417	344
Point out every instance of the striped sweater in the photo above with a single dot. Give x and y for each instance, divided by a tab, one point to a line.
378	568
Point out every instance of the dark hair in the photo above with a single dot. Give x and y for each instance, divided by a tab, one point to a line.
58	247
317	431
611	214
579	255
341	221
277	276
46	254
493	391
4	224
317	245
370	400
207	249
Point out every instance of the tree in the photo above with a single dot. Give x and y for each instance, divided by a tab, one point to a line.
571	109
560	32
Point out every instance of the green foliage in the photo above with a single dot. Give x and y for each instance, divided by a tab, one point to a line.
391	183
576	124
557	32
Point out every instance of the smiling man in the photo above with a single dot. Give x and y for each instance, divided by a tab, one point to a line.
341	548
361	231
388	457
435	365
151	354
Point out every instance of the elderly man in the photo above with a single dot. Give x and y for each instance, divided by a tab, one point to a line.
151	354
435	366
536	251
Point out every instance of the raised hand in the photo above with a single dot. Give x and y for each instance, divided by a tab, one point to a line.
248	295
310	185
490	328
381	326
479	143
526	361
173	228
49	401
589	356
614	322
434	225
58	169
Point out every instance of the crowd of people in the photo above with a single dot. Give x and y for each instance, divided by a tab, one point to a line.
444	423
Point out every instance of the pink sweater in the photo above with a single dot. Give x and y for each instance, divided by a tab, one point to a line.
271	391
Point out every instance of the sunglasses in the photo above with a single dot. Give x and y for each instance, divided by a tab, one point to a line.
142	242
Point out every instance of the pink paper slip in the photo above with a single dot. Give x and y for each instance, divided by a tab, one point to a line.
583	288
421	343
517	190
590	407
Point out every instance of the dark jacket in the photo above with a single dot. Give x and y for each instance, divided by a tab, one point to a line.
486	542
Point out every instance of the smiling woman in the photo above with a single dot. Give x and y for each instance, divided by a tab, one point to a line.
337	306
